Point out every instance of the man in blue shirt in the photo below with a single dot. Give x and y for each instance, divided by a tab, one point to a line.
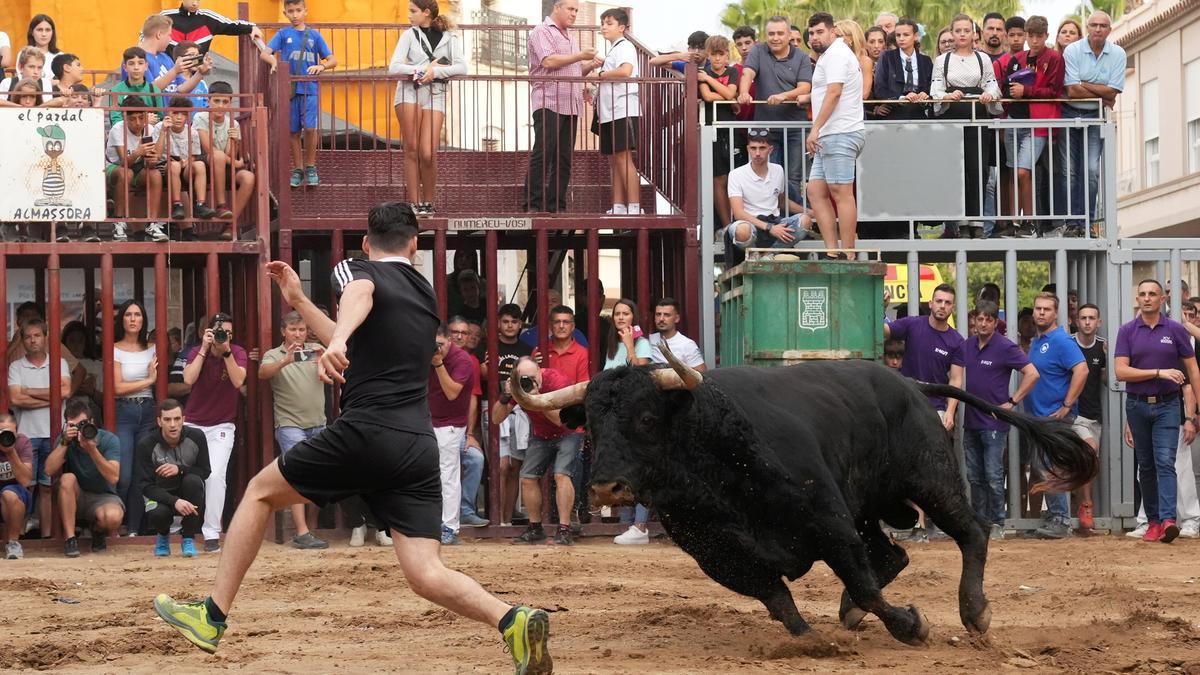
306	54
89	466
1095	69
1063	371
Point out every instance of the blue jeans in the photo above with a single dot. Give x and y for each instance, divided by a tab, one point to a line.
288	437
1070	165
794	166
1155	429
1057	503
984	450
472	474
135	418
41	451
640	514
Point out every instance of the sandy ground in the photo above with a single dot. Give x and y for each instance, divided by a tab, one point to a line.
1104	604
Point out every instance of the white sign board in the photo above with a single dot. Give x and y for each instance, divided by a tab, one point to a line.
53	167
455	224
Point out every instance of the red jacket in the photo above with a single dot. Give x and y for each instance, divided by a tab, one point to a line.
1048	83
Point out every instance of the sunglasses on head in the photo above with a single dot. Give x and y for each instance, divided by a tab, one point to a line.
758	133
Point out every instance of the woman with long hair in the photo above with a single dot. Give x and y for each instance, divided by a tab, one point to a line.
945	41
134	376
1068	31
624	345
958	74
43	35
427	55
852	33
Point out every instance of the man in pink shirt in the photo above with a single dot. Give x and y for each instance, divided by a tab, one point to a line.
557	105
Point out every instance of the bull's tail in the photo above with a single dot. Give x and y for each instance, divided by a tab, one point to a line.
1072	461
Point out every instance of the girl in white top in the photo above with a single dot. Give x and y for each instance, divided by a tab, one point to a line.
617	108
134	376
428	53
964	71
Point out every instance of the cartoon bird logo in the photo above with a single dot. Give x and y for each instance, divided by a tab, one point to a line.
54	168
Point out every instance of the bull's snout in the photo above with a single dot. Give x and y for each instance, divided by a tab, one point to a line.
611	494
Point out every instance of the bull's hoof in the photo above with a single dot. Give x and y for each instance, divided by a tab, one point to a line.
852	617
980	623
920	629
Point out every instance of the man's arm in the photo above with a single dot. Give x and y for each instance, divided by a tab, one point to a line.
956	380
1079	375
1127	373
56	459
501	411
267	370
110	469
20	399
237	372
1193	373
738	206
450	387
563	60
832	94
1029	377
744	84
191	372
666	59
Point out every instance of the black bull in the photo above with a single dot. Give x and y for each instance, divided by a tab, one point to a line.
759	472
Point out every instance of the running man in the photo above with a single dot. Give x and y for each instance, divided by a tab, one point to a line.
382	447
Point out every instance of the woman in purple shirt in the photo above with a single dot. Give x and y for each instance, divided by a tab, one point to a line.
1155	357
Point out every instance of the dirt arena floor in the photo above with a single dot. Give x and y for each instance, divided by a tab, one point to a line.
1103	604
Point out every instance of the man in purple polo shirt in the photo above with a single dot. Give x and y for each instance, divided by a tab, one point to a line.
1155	356
989	360
554	52
929	345
216	371
452	379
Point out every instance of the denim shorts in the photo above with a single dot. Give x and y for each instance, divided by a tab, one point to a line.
288	437
837	158
561	451
41	452
22	493
1022	148
762	239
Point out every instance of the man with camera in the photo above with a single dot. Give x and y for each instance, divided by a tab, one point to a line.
16	481
472	456
173	465
299	402
216	371
549	441
29	396
89	461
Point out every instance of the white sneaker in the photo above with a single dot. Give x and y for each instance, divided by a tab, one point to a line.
12	550
617	210
382	538
120	230
1139	532
634	209
632	537
358	536
157	232
1190	529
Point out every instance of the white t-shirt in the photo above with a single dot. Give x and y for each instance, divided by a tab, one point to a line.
839	65
619	100
34	423
4	41
760	196
681	346
118	136
218	132
7	83
181	143
134	366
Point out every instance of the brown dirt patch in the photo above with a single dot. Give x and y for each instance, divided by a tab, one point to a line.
1101	604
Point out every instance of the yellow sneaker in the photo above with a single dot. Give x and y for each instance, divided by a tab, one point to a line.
527	640
191	620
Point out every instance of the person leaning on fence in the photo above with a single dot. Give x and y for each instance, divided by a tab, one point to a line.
718	87
307	55
758	192
1154	354
617	111
556	106
172	465
427	55
904	75
959	74
221	140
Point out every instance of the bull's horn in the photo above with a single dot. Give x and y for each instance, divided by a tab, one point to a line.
688	376
554	400
667	379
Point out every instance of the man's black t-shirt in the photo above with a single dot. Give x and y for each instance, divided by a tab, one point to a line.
507	358
1093	389
724	112
389	353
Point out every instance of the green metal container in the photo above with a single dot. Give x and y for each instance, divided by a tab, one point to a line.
779	312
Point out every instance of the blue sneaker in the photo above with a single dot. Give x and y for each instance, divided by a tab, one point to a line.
188	547
162	546
297	177
450	537
310	175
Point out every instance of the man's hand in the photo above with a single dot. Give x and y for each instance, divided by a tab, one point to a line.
333	363
287	280
916	96
948	422
206	65
745	99
88	444
256	33
167	470
289	356
185	508
70	433
1016	90
1172	375
813	144
587	54
883	110
773	99
1189	432
1062	412
439	355
1006	405
1128	435
780	232
887	296
986	98
206	341
316	69
536	355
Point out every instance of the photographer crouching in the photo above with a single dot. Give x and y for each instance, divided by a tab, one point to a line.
89	461
216	371
173	465
16	483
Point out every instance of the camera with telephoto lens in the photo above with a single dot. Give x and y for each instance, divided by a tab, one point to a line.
8	438
221	335
87	430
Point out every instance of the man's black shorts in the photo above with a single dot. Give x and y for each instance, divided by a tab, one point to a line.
395	472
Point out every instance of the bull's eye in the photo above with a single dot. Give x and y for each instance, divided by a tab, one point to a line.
647	419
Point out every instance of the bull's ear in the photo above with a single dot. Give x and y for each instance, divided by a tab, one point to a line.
679	402
573	417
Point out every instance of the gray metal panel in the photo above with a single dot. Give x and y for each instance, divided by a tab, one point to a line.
890	184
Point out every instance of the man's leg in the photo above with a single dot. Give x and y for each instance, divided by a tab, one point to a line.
1165	437
220	447
450	441
1187	503
535	181
68	494
531	495
45	502
1140	425
973	456
562	163
472	475
1095	149
106	519
847	213
13	510
429	578
819	201
565	497
310	147
995	443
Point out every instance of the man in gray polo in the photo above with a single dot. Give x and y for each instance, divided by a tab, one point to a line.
782	76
